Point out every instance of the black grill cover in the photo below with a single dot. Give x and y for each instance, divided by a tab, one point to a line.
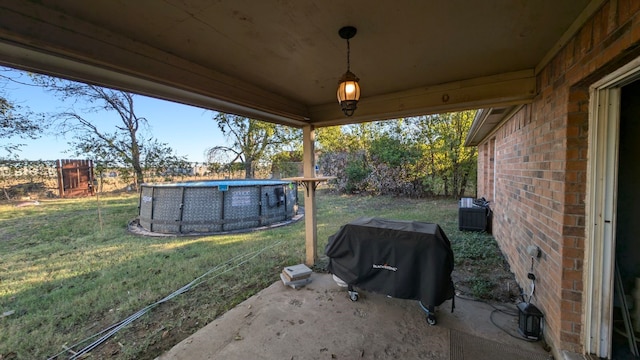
402	259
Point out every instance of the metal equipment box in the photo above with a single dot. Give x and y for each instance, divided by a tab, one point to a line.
472	217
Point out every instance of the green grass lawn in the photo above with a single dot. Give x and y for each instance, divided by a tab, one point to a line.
69	269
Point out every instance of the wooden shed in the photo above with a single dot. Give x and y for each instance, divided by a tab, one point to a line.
75	177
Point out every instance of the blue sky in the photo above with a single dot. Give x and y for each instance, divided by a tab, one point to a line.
187	129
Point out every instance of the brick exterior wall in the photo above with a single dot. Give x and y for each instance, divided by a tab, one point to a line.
540	170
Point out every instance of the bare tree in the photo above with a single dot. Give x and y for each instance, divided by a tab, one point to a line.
126	145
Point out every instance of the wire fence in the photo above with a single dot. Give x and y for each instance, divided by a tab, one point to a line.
25	179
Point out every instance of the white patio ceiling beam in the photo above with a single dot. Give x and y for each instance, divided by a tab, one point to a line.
497	90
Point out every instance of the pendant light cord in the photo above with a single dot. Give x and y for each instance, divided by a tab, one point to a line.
348	56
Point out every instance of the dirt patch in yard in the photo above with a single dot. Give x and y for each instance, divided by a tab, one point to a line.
494	286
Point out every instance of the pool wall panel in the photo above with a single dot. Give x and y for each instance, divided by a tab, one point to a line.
201	210
210	207
166	210
241	208
273	208
146	207
292	201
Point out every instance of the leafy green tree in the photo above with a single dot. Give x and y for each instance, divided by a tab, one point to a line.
160	158
418	156
394	152
251	141
348	138
396	165
287	163
16	121
463	159
343	154
450	164
356	173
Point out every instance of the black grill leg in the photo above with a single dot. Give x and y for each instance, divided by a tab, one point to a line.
431	313
353	294
431	319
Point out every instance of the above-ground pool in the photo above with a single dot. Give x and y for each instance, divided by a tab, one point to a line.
216	205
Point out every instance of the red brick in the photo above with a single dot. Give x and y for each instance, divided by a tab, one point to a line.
567	284
568	242
572	275
586	37
568	263
599	27
569	337
571	316
567	306
577	328
623	11
573	253
610	16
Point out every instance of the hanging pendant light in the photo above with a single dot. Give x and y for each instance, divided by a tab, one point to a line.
348	88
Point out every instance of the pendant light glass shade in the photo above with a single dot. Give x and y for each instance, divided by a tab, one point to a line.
348	88
348	93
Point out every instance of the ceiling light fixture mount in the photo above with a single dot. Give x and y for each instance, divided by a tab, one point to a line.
348	88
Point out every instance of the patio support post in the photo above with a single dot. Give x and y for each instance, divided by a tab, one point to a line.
309	162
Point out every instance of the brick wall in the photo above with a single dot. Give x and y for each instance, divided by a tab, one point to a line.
486	168
540	169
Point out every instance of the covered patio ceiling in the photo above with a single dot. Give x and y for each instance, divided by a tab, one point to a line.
280	61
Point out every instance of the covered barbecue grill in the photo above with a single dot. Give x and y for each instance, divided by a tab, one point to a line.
402	259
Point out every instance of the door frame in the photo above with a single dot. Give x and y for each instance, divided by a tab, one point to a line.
601	204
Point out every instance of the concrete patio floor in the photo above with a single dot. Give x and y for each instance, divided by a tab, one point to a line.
319	321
